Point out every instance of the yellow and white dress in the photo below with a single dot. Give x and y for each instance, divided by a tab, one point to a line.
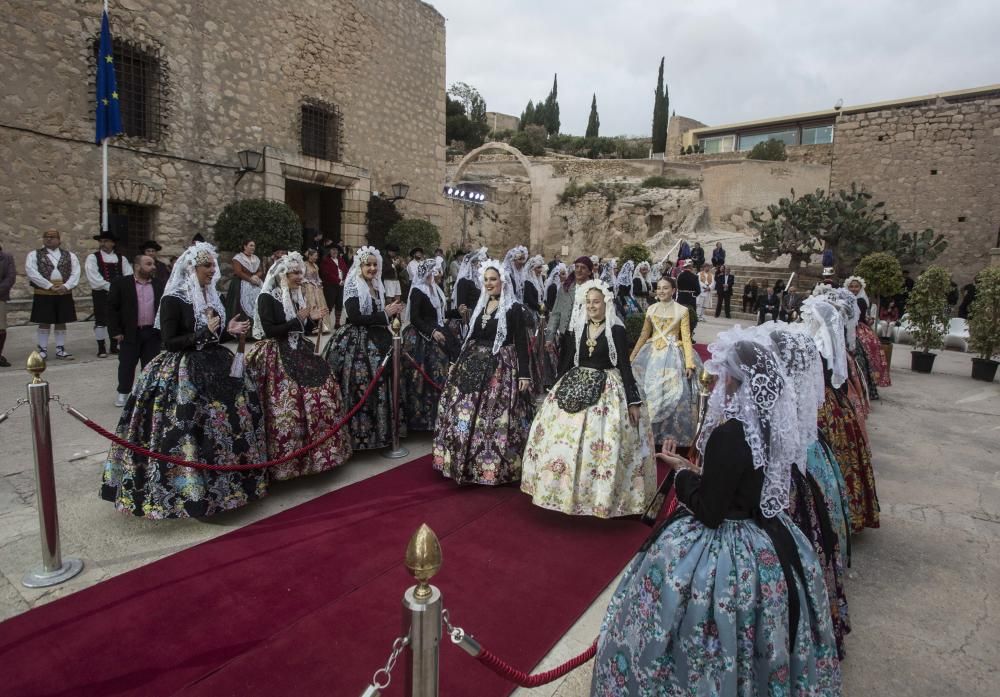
659	360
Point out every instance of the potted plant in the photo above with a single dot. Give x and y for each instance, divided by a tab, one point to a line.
883	279
926	310
984	324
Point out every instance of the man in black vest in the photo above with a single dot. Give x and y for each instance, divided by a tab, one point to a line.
53	273
688	290
724	282
132	305
102	267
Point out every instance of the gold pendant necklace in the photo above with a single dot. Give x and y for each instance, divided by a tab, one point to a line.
591	341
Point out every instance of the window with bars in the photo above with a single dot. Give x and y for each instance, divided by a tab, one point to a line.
321	131
138	80
132	224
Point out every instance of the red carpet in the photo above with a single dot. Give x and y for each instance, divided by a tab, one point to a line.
307	602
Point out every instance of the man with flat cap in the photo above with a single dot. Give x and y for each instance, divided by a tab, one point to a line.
151	248
102	267
53	273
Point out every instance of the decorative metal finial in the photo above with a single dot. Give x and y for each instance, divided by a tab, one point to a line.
395	325
423	559
705	379
36	366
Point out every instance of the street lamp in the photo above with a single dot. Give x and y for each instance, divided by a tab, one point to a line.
399	191
249	162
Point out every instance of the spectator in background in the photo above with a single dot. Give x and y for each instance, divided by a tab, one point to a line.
769	302
53	273
416	256
390	274
150	249
828	258
750	291
968	295
132	305
684	252
724	284
8	273
718	255
698	256
791	301
952	297
332	272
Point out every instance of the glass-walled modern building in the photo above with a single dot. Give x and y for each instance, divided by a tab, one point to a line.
736	138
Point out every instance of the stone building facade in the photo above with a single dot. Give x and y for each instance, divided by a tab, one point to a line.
936	164
341	97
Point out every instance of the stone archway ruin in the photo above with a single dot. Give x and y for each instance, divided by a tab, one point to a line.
534	234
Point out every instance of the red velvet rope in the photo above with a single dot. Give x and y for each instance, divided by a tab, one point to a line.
100	430
427	378
505	670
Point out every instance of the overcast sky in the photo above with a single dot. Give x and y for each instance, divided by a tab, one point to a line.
726	60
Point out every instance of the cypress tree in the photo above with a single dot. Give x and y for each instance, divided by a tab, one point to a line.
594	122
659	114
527	116
551	121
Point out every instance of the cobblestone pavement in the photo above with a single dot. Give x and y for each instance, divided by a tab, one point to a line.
922	589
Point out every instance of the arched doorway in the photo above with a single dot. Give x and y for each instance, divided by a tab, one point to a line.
535	221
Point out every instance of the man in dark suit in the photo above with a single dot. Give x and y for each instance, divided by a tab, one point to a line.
769	301
688	289
724	282
132	305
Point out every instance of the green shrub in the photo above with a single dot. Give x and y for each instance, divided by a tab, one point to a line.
634	252
770	149
382	216
633	328
610	192
271	224
658	181
530	141
926	308
414	232
883	276
984	314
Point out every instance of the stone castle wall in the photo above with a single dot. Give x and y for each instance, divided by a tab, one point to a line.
233	77
935	165
731	189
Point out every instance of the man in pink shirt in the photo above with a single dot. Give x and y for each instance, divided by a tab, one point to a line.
132	304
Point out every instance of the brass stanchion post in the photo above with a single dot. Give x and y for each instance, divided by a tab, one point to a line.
397	451
422	606
54	569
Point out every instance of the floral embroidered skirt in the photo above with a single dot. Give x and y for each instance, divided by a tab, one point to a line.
808	508
592	462
355	359
301	400
877	365
842	430
186	405
703	611
671	397
483	420
421	398
823	467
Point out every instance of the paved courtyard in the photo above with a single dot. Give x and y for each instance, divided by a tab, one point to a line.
922	589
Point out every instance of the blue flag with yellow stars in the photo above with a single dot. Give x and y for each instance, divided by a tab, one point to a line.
109	115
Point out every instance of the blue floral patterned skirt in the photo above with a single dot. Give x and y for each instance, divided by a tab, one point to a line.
421	398
185	404
705	612
672	398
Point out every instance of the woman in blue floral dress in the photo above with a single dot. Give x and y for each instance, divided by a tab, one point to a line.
727	597
186	404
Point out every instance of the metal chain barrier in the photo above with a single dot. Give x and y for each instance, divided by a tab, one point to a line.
378	684
17	405
100	430
423	373
468	643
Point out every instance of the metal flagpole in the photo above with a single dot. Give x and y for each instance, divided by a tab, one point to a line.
104	175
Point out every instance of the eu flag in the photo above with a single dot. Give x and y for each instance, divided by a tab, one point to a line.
109	115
